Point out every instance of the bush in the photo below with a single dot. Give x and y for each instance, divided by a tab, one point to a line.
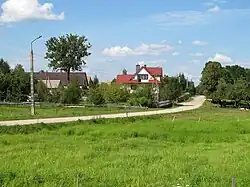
72	94
95	96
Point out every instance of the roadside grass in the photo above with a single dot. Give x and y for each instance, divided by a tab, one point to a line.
202	148
21	112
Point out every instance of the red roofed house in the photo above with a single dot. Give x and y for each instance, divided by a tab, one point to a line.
143	75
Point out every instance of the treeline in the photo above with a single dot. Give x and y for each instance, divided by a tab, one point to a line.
171	88
14	83
15	87
229	85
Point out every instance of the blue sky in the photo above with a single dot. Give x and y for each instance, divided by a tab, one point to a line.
180	36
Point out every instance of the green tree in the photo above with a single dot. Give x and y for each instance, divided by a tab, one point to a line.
72	94
67	53
96	96
142	96
95	81
4	66
222	90
171	90
42	91
210	77
19	85
239	91
124	72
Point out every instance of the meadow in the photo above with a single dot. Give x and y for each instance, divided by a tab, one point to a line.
23	112
204	148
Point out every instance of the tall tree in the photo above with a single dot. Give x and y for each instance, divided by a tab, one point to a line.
124	72
67	53
210	77
4	66
95	81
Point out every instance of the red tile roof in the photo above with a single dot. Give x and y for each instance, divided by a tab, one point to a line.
124	78
154	70
128	79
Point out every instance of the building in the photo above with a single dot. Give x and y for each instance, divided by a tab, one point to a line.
142	75
55	79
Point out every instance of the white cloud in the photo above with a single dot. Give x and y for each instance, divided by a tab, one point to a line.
170	20
175	54
199	43
196	54
143	49
18	10
221	58
214	9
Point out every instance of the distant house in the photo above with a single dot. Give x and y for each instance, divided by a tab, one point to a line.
55	79
142	75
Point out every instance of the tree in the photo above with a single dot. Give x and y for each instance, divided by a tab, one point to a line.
91	83
171	90
4	66
124	72
96	81
42	91
95	96
210	77
67	53
221	92
72	94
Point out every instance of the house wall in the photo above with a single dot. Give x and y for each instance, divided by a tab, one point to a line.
143	72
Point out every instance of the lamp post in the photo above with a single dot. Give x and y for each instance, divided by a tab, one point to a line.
32	77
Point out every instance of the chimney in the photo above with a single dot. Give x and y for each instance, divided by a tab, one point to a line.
145	65
137	67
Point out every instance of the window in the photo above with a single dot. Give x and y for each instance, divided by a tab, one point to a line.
143	77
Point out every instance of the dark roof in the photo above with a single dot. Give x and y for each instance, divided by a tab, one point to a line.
62	76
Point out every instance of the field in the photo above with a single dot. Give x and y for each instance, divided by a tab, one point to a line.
16	113
202	148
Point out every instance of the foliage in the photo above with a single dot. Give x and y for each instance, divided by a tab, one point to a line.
4	66
95	81
210	77
71	94
42	91
114	93
96	96
14	84
171	90
142	96
124	72
67	52
225	83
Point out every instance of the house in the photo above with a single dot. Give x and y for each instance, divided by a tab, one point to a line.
142	75
55	79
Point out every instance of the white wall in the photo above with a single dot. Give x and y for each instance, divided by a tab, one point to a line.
144	72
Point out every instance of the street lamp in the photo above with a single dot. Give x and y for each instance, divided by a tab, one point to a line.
32	77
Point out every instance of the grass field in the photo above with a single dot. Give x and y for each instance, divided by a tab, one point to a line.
15	113
202	148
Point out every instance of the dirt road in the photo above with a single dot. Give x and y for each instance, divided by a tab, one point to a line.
191	105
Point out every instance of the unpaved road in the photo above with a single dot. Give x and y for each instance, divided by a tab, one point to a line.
193	104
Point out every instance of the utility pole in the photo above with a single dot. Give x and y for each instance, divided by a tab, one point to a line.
32	77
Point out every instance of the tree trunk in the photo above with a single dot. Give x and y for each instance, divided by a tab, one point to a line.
68	76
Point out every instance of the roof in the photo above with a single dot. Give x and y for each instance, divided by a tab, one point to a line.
51	83
128	79
62	76
154	70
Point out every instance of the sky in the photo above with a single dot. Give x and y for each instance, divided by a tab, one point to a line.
180	36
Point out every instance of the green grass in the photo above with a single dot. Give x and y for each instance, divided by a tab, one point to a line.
202	148
16	113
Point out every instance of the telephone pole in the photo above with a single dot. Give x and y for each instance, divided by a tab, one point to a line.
32	77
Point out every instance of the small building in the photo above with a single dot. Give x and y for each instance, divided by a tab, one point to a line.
55	79
143	75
